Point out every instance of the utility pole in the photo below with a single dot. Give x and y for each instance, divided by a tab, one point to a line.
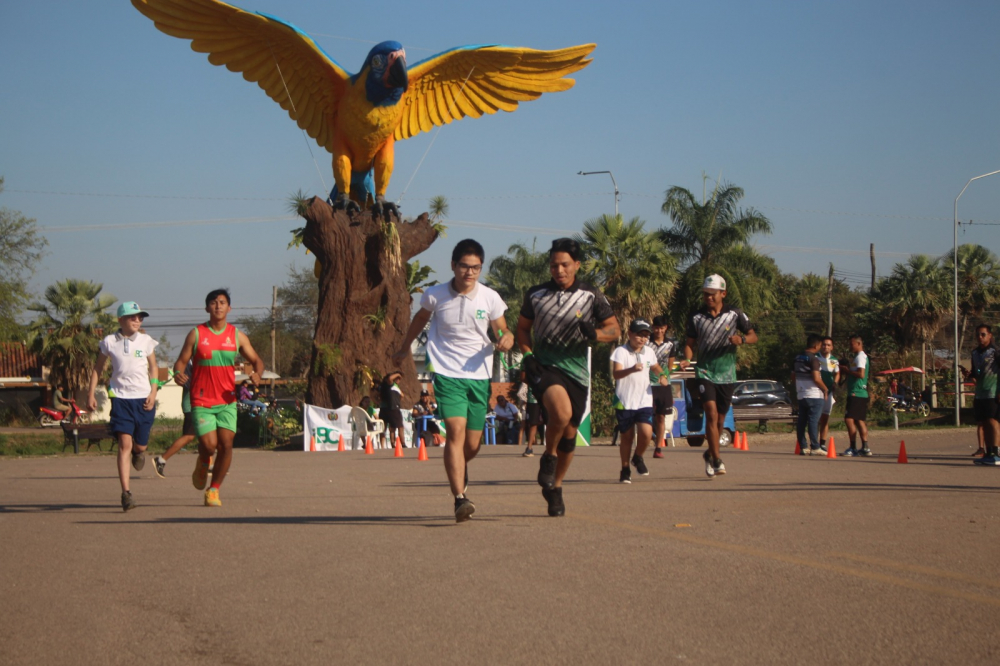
871	251
274	326
829	304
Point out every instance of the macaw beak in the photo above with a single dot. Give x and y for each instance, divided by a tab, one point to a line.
395	72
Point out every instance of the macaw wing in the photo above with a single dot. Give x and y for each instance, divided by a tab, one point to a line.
473	80
284	61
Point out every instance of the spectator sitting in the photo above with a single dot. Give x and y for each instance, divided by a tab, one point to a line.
507	420
245	394
425	428
366	404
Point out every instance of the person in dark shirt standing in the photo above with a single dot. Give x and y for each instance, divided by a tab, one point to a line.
389	397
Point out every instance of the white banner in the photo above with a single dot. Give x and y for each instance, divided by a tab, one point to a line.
322	429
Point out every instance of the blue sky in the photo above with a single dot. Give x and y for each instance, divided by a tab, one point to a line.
847	123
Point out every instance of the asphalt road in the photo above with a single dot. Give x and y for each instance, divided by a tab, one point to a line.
347	558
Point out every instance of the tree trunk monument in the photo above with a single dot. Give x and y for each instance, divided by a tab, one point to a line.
364	303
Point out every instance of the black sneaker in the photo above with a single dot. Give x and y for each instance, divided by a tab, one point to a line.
640	466
554	497
626	475
865	451
709	466
464	508
127	501
160	464
658	452
138	461
547	471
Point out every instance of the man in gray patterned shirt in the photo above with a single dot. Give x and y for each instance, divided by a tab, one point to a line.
715	331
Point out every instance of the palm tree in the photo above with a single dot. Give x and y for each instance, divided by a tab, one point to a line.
438	207
512	274
633	267
917	299
67	331
713	237
978	282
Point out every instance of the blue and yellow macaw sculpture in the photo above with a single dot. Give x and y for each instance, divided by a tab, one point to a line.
359	117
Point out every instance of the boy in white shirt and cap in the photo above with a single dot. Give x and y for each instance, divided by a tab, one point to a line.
134	380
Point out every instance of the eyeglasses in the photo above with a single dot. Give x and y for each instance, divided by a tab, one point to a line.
469	269
642	334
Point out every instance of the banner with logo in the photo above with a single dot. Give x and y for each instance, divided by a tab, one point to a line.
322	429
583	433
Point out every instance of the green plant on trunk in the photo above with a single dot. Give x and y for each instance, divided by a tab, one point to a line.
327	359
416	277
364	378
298	203
378	318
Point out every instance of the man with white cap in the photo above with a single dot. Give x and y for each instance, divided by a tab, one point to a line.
716	331
134	380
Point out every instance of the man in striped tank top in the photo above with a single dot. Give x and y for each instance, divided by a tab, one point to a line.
214	346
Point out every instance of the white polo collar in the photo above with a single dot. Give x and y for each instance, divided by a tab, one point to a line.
471	295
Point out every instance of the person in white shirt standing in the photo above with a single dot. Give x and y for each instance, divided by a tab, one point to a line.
632	365
460	356
134	380
811	392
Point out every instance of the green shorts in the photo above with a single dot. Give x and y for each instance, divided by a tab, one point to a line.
466	398
207	419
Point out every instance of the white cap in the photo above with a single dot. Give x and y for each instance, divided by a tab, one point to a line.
715	281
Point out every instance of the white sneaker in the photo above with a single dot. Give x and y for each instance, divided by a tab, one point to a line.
720	469
709	467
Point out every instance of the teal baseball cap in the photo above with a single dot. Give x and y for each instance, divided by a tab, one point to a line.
131	308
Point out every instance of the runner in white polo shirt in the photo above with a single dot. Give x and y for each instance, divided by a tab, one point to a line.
460	356
134	378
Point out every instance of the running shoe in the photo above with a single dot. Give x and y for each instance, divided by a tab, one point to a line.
850	452
200	476
980	452
640	466
865	451
992	460
127	502
464	508
554	497
709	467
528	453
547	470
212	497
626	475
138	461
160	464
658	452
820	451
720	469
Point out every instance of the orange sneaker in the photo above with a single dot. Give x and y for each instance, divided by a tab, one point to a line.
200	476
212	497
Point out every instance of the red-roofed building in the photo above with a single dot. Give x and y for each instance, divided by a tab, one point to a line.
17	361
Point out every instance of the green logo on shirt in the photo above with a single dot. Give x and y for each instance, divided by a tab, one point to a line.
480	314
138	353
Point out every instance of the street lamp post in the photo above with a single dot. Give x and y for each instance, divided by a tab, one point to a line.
613	182
958	380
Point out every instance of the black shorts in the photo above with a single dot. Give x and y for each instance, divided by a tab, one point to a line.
536	414
663	400
857	408
577	394
985	409
393	418
188	429
720	394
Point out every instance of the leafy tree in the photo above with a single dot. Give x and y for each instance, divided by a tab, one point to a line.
631	266
69	327
512	274
21	247
978	282
416	277
713	237
295	324
917	299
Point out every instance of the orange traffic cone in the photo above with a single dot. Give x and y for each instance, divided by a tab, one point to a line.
737	446
422	453
399	449
831	449
798	449
746	446
312	443
368	445
902	453
340	443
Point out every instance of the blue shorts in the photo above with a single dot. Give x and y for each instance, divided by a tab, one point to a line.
627	418
128	417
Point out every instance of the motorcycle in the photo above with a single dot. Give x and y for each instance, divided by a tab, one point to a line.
908	403
49	417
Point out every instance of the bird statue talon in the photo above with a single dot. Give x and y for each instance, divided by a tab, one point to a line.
346	204
383	209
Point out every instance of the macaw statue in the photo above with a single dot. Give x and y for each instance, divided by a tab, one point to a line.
359	117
